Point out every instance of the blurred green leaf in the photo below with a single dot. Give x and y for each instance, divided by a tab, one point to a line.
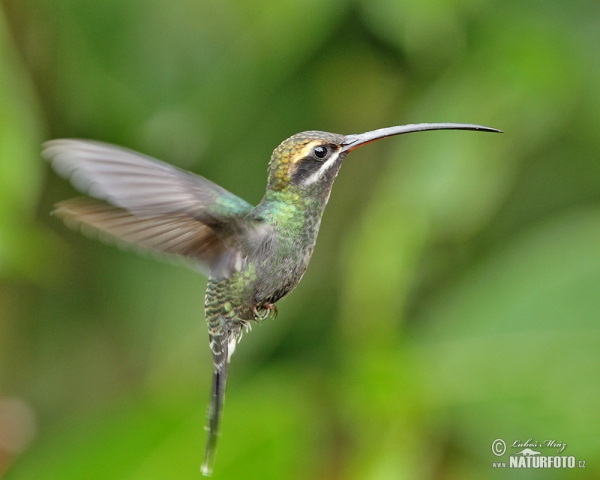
20	169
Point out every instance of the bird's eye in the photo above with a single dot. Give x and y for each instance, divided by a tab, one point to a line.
320	152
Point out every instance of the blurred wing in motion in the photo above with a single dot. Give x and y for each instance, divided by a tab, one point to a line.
150	204
175	235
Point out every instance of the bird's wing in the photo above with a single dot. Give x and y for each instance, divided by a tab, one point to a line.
150	204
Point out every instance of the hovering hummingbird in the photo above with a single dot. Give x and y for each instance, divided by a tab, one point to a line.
253	256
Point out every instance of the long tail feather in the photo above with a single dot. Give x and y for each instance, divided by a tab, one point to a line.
217	396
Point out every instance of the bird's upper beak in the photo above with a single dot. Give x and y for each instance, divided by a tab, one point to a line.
354	141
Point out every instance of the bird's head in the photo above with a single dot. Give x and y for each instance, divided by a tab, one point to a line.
304	159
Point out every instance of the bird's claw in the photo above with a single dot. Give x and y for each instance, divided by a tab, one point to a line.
264	311
271	309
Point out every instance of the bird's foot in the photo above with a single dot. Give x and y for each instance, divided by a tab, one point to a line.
271	309
264	311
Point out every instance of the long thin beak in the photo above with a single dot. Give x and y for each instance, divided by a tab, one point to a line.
354	141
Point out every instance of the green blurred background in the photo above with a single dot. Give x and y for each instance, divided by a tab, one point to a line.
454	294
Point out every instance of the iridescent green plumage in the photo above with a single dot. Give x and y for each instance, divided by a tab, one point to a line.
254	256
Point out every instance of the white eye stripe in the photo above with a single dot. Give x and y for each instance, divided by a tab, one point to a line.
314	177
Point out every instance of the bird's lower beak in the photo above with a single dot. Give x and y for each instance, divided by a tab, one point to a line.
354	141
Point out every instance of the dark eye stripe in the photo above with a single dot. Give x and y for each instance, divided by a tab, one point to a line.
312	162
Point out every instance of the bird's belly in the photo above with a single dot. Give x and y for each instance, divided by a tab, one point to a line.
276	278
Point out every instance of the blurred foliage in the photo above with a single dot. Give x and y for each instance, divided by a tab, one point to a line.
454	294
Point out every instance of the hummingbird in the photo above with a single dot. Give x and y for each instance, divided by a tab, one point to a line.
253	256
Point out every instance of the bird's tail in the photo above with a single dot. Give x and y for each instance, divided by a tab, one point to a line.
217	395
